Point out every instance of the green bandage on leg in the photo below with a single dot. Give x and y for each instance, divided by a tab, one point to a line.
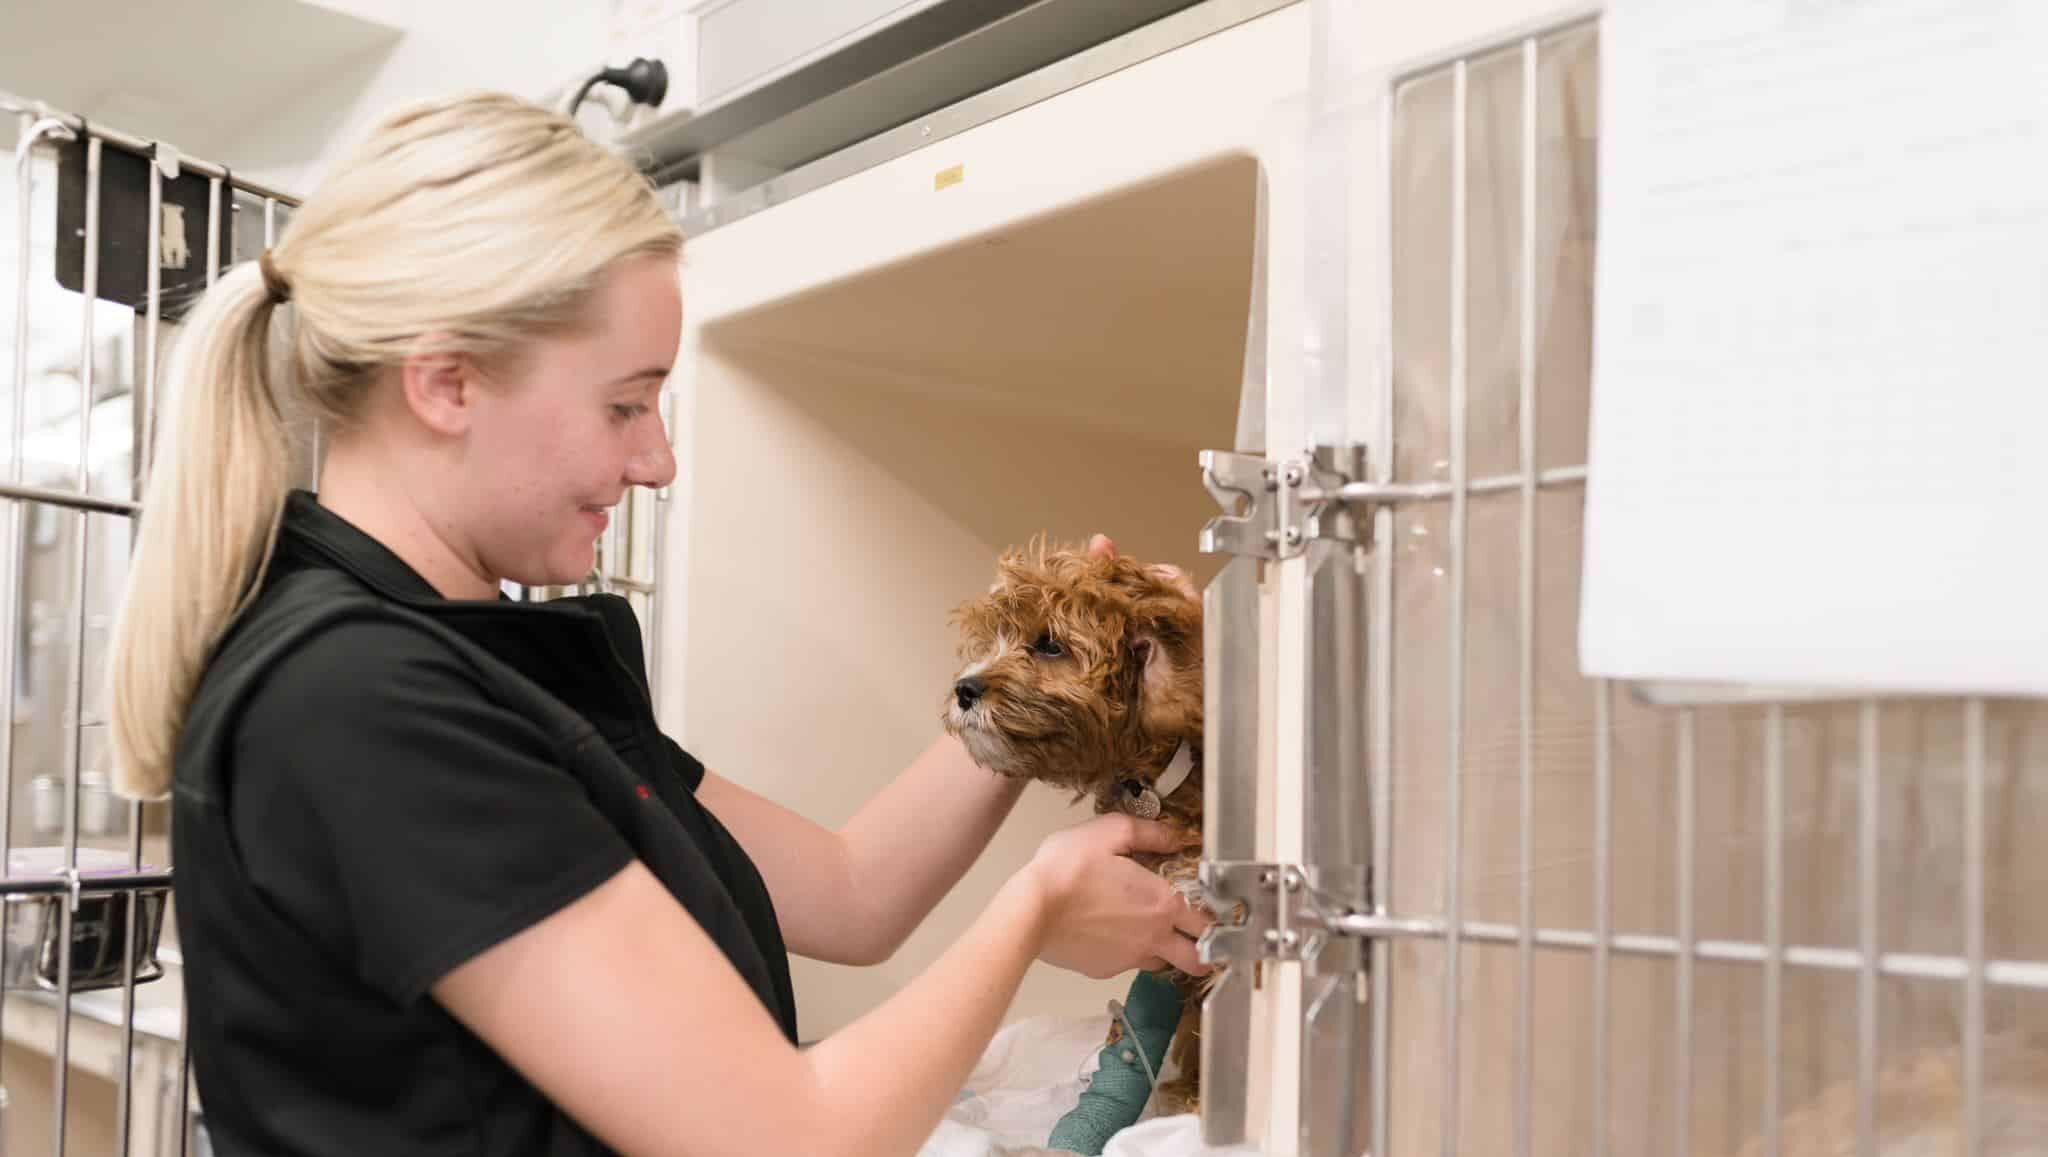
1117	1093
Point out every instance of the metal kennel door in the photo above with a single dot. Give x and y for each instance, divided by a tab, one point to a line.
92	206
1583	918
1285	1036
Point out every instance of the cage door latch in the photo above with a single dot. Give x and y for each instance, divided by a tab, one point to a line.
1273	510
1255	904
1275	911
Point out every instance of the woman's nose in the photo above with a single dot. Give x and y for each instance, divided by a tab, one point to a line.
653	463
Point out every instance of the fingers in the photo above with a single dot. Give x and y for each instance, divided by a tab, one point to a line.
1190	919
1182	953
1176	578
1153	836
1100	546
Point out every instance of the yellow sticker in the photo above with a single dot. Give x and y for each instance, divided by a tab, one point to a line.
947	178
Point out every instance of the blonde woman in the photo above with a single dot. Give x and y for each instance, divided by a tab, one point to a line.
443	886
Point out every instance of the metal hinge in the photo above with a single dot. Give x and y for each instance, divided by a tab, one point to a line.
1284	916
1273	510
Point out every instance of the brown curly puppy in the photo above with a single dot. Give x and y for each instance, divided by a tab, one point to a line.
1919	1102
1086	673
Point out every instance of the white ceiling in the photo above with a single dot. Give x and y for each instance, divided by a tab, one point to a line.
200	73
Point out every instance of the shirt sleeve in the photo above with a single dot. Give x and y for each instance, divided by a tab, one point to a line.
387	806
687	767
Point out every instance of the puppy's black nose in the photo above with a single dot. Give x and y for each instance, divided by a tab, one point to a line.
968	691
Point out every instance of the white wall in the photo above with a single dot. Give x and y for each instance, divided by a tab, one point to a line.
522	46
277	88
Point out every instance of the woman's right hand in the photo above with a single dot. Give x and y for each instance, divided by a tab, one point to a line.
1103	915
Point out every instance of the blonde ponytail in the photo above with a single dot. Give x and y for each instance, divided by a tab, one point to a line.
210	510
470	225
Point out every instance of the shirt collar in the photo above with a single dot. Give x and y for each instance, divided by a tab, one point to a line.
312	533
607	678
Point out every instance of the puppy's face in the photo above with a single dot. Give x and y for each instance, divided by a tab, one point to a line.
1077	672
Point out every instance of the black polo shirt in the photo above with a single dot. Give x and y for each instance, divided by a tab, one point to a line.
374	785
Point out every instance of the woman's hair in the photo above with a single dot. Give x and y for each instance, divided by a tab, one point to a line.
473	226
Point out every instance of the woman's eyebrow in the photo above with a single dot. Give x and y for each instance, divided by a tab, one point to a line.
649	372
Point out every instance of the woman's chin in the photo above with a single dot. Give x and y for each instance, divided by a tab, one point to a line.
565	568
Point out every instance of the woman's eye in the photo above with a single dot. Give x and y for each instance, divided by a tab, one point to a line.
1048	647
628	412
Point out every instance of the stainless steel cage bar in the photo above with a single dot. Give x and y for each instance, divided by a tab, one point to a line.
67	500
1602	945
134	144
1866	927
107	885
1453	983
183	1093
1525	657
1774	922
1380	681
2006	974
1973	927
1687	947
74	763
139	454
33	129
1401	493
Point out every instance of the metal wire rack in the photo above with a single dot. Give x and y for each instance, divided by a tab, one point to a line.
41	127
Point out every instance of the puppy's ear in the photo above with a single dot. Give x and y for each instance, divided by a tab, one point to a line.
1166	641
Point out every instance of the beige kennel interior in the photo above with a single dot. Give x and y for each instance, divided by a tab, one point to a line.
890	379
1035	324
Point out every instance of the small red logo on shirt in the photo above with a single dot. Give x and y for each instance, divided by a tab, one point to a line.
642	789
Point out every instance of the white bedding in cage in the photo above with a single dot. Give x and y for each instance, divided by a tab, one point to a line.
1030	1076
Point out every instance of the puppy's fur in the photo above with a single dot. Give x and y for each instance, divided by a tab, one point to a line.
1920	1106
1086	674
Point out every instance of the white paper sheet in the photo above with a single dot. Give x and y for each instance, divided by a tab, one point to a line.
1819	447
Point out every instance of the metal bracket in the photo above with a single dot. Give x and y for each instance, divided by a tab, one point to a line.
1257	892
1336	904
1285	505
1328	515
1284	917
1234	480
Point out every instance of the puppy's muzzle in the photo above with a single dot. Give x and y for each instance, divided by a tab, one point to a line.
967	692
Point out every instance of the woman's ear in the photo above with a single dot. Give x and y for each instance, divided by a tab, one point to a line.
439	389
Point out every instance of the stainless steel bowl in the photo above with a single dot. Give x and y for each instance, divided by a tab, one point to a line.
34	925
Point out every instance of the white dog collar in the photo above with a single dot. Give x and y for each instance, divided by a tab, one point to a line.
1145	803
1176	772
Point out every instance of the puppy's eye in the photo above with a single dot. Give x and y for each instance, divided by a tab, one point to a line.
1048	647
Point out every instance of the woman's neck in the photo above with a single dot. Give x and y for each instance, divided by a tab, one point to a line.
378	501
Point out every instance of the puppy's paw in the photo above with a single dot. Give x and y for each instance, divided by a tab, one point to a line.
1178	1096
